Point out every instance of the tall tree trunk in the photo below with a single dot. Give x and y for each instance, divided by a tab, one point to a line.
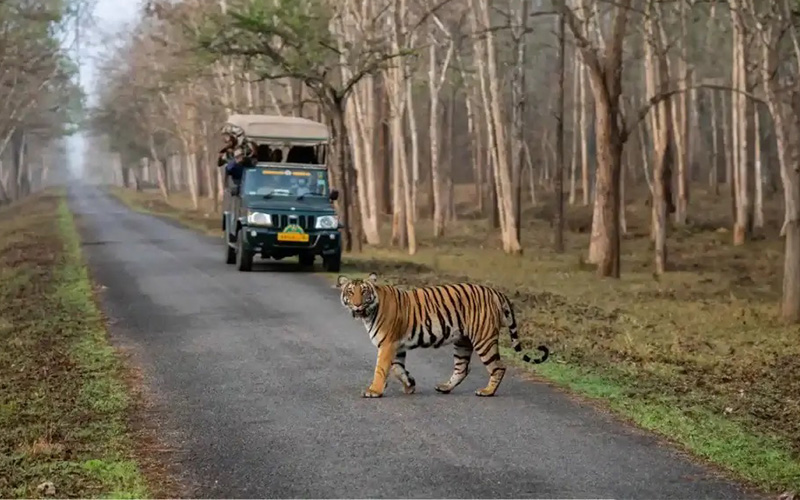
360	121
715	156
643	149
663	123
758	216
408	190
786	120
160	172
385	155
22	180
474	133
609	157
412	128
680	110
398	200
584	139
433	136
559	212
742	227
576	71
605	76
4	198
398	90
623	221
508	225
17	138
344	176
208	166
728	146
451	215
518	97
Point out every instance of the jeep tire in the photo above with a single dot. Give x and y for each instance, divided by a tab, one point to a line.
244	258
306	260
230	252
332	263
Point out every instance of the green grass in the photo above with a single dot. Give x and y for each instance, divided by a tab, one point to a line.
64	403
762	460
698	355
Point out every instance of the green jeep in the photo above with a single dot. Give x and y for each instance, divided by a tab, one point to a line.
283	205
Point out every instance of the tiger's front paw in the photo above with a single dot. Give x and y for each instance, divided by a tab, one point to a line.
371	393
444	388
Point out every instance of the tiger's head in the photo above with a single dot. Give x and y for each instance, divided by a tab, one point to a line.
359	295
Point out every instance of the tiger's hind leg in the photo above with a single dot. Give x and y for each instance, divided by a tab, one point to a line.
489	353
400	372
461	358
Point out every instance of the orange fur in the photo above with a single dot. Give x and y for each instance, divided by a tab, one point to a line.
464	314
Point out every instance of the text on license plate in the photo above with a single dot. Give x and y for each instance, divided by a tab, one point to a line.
300	237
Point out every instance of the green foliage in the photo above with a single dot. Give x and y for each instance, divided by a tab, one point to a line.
295	38
280	38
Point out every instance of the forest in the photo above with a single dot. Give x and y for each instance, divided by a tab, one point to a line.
41	101
627	170
592	101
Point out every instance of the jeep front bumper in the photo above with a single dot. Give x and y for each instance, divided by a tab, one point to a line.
265	241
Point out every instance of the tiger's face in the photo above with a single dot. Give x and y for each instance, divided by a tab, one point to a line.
359	296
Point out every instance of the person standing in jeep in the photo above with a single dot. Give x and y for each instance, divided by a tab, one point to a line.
234	169
237	164
226	153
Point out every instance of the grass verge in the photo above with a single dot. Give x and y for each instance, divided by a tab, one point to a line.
64	405
697	355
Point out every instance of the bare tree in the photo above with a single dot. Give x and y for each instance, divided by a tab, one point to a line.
774	23
559	212
657	81
605	76
435	83
487	68
38	98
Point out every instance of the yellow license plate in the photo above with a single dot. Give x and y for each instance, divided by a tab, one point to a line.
298	237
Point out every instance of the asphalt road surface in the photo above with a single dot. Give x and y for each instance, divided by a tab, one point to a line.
260	375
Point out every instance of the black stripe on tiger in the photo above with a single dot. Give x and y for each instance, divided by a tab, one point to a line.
467	315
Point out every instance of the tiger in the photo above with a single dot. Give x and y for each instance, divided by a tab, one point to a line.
467	315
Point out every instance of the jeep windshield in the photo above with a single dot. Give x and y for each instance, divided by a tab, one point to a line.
275	182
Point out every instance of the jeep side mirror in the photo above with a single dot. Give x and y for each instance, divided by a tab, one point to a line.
334	195
235	190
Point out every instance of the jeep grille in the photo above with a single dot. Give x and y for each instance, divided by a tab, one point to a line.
306	222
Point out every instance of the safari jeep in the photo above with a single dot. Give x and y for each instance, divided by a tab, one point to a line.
283	205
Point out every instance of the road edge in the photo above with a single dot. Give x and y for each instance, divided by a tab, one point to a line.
143	441
685	432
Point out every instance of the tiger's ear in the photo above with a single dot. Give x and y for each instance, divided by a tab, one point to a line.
342	280
373	278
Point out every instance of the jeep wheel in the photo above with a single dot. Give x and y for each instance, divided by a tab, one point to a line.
307	260
332	263
230	252
244	258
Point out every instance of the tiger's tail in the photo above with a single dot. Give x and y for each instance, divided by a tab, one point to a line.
511	323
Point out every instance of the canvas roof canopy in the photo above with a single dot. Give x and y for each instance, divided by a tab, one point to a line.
280	128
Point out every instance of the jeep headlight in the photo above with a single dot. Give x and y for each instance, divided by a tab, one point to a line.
258	218
327	222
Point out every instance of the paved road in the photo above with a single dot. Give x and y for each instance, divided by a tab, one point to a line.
261	375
